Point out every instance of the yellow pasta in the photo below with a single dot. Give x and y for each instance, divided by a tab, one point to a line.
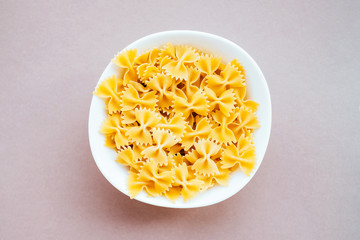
147	119
208	64
110	90
221	178
146	64
125	60
112	128
240	94
224	101
230	77
139	87
223	133
245	119
176	67
162	84
149	179
163	140
193	77
243	155
128	157
196	103
235	63
132	99
206	163
202	130
175	123
179	119
190	185
137	149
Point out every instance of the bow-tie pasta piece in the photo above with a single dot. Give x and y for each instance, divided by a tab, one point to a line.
126	60
240	94
242	155
208	64
177	66
230	77
206	164
128	157
190	87
147	64
223	133
190	185
162	84
245	120
149	179
163	141
196	103
167	52
132	99
202	130
147	119
110	90
224	101
175	123
221	178
113	129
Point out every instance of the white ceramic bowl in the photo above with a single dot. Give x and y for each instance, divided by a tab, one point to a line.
257	89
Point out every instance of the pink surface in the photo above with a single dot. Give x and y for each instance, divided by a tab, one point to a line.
52	54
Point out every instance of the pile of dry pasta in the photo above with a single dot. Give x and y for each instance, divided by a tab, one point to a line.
179	119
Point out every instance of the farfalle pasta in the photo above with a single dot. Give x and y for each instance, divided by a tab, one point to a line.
179	119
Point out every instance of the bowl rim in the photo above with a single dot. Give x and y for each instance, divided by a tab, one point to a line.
267	133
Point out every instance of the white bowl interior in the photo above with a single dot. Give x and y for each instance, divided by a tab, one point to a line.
257	90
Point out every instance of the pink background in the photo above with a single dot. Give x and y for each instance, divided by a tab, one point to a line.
52	54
